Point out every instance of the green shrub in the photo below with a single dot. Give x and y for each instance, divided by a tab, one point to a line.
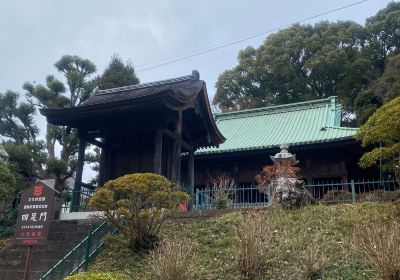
221	201
97	276
337	195
137	205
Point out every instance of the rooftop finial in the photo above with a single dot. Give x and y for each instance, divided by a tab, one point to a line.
196	75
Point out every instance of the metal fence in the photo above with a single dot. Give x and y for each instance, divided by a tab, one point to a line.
84	197
8	216
353	191
323	192
233	198
79	257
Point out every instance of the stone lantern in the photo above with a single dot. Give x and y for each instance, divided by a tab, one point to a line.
284	155
289	191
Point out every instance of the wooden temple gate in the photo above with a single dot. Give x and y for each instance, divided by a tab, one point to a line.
142	128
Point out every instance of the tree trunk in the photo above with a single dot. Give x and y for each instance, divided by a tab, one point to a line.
50	142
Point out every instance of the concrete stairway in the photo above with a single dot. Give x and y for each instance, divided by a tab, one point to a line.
63	236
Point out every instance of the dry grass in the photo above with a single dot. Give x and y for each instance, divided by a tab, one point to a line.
313	259
172	260
223	187
285	256
397	208
253	235
379	244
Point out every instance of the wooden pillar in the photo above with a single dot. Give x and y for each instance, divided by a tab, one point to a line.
176	157
102	168
158	140
191	169
78	178
108	157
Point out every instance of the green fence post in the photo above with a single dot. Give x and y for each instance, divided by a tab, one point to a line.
197	200
353	191
88	246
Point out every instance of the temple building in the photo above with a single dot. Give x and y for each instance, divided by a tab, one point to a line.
167	127
326	151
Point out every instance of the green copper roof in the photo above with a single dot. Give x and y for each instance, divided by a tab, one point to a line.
301	123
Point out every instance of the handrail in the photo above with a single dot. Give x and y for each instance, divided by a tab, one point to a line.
81	255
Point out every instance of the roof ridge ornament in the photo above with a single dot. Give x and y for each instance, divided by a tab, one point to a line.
195	75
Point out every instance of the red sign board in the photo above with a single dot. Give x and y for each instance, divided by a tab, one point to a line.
34	215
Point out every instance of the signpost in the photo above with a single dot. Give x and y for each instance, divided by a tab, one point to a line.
35	214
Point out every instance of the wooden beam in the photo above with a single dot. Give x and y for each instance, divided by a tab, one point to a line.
191	170
102	167
108	163
158	140
76	196
174	136
169	133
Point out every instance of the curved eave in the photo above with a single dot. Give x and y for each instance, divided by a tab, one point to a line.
71	116
56	116
216	135
266	147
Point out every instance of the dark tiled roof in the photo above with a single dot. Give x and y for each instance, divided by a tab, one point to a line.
186	86
178	94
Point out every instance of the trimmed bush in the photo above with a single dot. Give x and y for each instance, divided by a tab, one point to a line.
138	205
97	276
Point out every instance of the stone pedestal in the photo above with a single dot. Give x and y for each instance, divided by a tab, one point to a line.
290	193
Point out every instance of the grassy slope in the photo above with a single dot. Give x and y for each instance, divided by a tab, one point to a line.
292	233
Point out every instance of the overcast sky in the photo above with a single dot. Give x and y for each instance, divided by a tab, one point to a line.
36	33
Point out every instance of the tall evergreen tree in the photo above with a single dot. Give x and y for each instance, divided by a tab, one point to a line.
118	74
19	136
383	89
77	72
383	31
299	63
305	62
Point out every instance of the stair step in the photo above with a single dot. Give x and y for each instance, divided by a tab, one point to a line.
63	236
